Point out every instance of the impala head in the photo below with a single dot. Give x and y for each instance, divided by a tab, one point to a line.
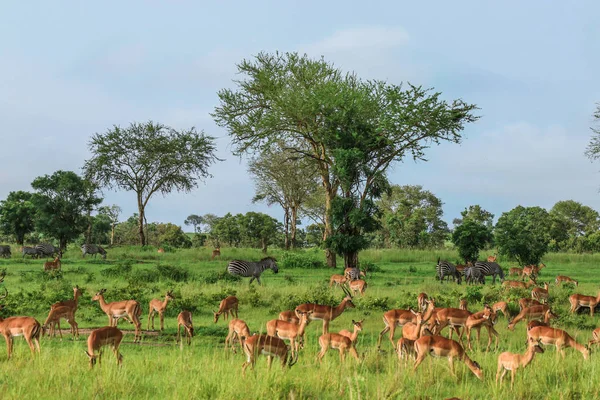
169	295
99	294
270	262
216	316
551	314
92	358
477	370
349	303
358	324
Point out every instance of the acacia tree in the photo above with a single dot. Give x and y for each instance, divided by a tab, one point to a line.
318	111
62	201
476	214
280	177
112	214
17	215
523	233
149	158
470	237
195	220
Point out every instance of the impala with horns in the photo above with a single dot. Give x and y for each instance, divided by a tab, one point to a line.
529	313
268	345
546	322
325	313
358	286
512	362
540	294
290	331
185	319
578	300
565	279
228	306
54	317
237	329
119	309
157	306
28	327
399	318
340	342
441	347
558	338
107	336
526	302
422	299
289	316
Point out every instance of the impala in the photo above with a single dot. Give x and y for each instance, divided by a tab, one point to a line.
27	327
422	299
452	317
562	279
70	303
558	338
358	286
340	342
529	313
519	284
525	302
578	300
268	345
289	316
107	336
530	271
54	317
118	309
493	258
157	306
348	272
406	347
353	335
462	305
228	306
515	271
237	329
476	321
324	313
289	330
395	318
547	315
540	294
441	347
337	280
502	306
185	319
595	336
216	253
51	265
512	362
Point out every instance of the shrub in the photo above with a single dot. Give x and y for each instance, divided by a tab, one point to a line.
122	269
177	274
473	294
375	303
222	276
143	275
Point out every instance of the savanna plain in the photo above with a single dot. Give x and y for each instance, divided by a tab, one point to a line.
161	368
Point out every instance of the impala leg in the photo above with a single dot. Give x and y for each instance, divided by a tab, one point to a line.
59	330
419	360
512	378
269	362
162	321
392	331
326	328
9	345
503	374
342	354
498	372
179	334
383	332
354	354
451	362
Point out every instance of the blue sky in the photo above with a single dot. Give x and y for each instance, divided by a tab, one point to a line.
71	69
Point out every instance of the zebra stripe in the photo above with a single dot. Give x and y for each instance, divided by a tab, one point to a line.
253	269
354	274
94	250
30	251
473	276
5	251
447	269
48	250
489	269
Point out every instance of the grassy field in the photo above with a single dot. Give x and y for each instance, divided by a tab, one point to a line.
161	369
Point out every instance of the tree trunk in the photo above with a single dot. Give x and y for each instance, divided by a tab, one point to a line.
351	260
20	239
329	254
62	244
293	226
141	223
264	245
112	235
88	233
286	221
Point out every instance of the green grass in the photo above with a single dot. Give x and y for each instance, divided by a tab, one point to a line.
205	370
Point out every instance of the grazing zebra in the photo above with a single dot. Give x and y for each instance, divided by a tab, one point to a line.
253	269
352	274
5	251
445	269
94	250
30	251
48	250
489	269
473	275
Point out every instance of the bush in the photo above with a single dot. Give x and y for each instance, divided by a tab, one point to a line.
473	294
143	275
177	274
222	276
375	303
122	269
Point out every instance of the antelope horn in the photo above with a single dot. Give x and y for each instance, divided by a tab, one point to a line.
347	291
2	275
5	294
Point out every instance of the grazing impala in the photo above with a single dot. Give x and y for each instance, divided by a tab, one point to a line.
216	253
358	286
54	317
395	318
558	338
595	336
289	316
228	306
340	342
562	279
512	362
529	313
324	313
27	327
540	294
185	319
237	329
118	309
289	330
337	280
52	265
422	301
525	302
546	322
502	306
515	271
268	345
157	306
519	284
441	347
476	321
578	300
107	336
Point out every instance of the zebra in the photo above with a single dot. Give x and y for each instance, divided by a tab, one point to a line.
5	251
253	269
444	268
489	268
30	251
48	250
353	274
473	275
94	250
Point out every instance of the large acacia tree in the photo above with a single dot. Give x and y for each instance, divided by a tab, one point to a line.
17	215
319	112
149	158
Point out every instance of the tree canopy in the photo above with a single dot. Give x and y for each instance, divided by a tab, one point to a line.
523	233
476	214
17	215
470	237
149	158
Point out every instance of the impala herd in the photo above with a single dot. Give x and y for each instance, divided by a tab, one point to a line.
421	327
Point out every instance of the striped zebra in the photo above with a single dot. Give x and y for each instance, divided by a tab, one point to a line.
352	274
48	250
5	251
94	250
253	269
444	269
489	269
30	251
473	276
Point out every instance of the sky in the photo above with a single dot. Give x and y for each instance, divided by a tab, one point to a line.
72	69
